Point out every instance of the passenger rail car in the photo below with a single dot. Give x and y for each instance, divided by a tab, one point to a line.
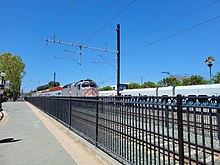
56	91
210	90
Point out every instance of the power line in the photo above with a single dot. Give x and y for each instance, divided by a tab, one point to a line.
109	21
95	20
175	34
63	17
107	62
185	15
106	80
178	18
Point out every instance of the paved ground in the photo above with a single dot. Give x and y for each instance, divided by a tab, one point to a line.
29	137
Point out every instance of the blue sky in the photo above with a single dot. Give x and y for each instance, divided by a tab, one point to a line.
156	36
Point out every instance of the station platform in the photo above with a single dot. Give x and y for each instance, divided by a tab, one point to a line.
30	137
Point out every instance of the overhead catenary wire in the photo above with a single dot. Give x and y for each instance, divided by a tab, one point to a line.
97	18
177	19
107	61
103	81
67	58
80	46
185	15
119	13
173	35
100	49
78	53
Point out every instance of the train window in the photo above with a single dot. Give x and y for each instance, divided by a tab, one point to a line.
93	85
85	85
78	87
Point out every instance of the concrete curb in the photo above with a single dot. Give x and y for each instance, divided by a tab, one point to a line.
80	150
4	119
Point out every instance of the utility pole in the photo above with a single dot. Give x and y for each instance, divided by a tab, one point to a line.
54	79
142	79
118	60
98	49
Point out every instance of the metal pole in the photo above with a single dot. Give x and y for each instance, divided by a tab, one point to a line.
180	129
1	94
54	79
82	46
70	111
210	74
142	80
97	122
1	102
118	59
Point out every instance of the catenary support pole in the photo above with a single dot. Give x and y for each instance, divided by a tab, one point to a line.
54	79
118	59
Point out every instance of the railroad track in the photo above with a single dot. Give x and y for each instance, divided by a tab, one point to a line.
153	144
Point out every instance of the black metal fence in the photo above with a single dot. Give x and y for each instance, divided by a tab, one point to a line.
143	130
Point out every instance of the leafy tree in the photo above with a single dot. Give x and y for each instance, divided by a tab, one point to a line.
216	78
107	88
194	80
133	86
13	67
51	84
149	84
169	81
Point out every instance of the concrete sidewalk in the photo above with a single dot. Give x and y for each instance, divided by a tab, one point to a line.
31	137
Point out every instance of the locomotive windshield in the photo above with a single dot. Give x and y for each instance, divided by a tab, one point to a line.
89	84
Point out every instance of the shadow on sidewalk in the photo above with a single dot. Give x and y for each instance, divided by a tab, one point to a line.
9	140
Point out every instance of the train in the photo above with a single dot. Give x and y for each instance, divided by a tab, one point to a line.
87	88
207	89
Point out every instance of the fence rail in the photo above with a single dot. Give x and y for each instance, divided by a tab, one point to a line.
143	130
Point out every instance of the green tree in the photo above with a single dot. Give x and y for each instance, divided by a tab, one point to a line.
149	84
107	88
51	84
13	67
134	86
216	78
169	81
194	80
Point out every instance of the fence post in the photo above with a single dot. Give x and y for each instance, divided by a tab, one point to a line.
165	99
70	111
166	117
96	121
180	129
218	118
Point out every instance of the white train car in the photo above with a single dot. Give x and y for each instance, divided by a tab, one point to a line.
207	89
55	91
138	92
169	91
108	93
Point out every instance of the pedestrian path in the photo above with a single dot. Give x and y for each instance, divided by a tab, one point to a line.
30	137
